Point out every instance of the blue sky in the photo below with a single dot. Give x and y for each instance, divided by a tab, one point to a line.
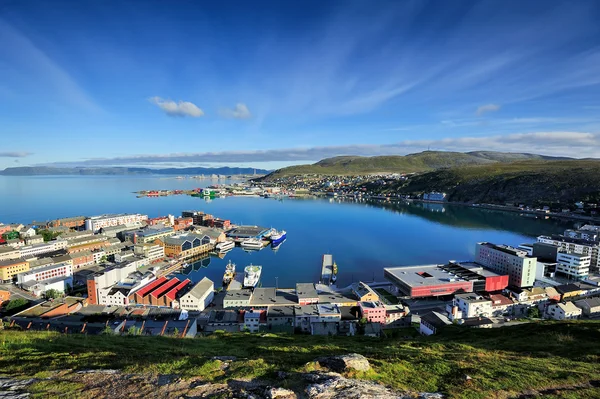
269	84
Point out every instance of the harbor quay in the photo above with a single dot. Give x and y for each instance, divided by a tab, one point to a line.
130	274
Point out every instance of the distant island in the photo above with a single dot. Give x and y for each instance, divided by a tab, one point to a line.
53	171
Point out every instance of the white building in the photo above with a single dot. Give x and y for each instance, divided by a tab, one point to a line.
575	246
575	266
151	251
199	297
45	273
434	196
251	321
563	311
503	259
119	294
473	305
32	251
96	223
58	284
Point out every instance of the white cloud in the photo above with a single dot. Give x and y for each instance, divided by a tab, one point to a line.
487	108
240	111
180	108
14	154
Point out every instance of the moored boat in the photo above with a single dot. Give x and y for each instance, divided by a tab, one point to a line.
251	276
252	243
225	246
229	273
278	236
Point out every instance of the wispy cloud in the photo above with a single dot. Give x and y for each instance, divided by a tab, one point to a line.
487	108
180	108
573	144
240	111
14	154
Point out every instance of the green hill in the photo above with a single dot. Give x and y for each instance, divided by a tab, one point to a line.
564	181
420	162
552	359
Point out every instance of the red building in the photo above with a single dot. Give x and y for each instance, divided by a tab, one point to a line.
183	223
374	312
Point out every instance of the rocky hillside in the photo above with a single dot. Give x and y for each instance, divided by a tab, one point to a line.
530	182
420	162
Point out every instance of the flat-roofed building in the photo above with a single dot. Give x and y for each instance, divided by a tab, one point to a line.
572	265
503	259
32	251
306	294
45	273
151	251
473	305
426	281
7	253
95	223
237	298
149	234
280	316
304	316
373	311
12	267
577	246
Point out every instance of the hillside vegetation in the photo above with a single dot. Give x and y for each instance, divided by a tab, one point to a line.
420	162
557	359
530	182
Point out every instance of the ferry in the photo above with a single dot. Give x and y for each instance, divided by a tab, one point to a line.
229	273
225	246
251	276
278	236
252	243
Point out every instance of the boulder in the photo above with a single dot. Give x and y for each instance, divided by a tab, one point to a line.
344	363
280	393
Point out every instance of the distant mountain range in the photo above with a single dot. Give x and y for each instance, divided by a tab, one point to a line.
48	171
412	163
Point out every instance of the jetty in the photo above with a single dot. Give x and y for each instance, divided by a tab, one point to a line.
327	269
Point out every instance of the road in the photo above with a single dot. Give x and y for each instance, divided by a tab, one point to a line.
16	292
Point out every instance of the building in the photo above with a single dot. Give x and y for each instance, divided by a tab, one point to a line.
364	293
8	253
328	313
216	236
306	293
374	312
425	281
501	305
304	316
45	273
35	239
81	259
59	284
237	298
484	280
503	259
4	296
588	232
182	223
432	323
95	223
473	305
434	196
199	296
185	245
32	251
74	222
395	316
563	311
105	279
572	265
577	246
149	234
225	320
590	307
10	268
568	291
280	317
252	321
151	251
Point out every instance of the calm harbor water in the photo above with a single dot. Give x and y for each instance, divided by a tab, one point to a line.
363	237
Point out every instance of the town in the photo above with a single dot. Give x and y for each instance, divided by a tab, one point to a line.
114	274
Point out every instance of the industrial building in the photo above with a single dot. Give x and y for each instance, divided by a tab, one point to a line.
426	281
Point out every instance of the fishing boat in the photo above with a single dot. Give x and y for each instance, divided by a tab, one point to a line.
334	273
225	246
229	273
251	276
252	243
278	236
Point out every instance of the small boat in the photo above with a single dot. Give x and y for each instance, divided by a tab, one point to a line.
251	276
225	246
275	247
278	236
229	273
252	243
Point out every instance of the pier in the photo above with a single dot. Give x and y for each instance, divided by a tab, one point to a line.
327	269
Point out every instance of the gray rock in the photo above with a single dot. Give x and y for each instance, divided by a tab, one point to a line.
343	363
13	384
280	393
165	379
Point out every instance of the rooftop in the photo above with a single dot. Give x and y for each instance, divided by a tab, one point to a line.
238	295
328	309
280	311
471	298
507	249
306	290
424	275
201	287
45	269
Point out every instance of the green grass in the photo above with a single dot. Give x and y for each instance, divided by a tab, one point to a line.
391	299
507	360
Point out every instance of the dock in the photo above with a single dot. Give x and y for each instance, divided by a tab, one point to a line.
238	281
327	269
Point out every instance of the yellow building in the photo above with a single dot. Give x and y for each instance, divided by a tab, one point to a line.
364	292
10	268
185	245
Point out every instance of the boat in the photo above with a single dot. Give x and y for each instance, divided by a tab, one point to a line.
334	273
252	243
229	273
275	247
278	236
225	246
251	276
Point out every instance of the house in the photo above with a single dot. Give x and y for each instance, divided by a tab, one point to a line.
364	293
589	307
432	322
199	296
252	320
563	311
501	305
226	320
374	312
473	305
395	316
304	315
280	317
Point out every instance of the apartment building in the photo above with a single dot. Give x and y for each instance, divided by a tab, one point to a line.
151	251
503	259
149	234
109	277
8	253
11	267
473	305
374	312
32	251
95	223
575	246
572	265
45	273
563	311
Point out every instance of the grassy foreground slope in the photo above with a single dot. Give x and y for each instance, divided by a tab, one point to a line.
526	181
505	362
419	162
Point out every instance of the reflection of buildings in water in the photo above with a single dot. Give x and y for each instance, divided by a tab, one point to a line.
434	207
195	265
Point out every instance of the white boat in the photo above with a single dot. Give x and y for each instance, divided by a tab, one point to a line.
278	236
229	273
252	243
252	275
225	246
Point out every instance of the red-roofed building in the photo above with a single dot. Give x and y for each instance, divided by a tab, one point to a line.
158	293
170	296
501	305
141	296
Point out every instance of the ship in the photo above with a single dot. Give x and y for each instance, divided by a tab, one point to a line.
252	243
229	273
251	276
278	236
334	272
225	246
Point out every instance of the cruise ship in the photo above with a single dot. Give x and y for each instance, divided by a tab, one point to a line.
252	275
225	246
278	236
229	273
252	243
